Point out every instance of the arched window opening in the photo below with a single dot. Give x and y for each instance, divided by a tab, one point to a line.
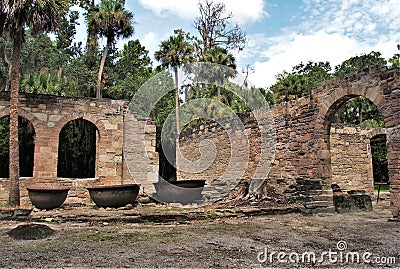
77	150
359	111
26	137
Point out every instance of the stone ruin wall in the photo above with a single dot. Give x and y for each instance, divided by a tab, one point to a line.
303	151
351	157
48	115
303	156
295	156
295	147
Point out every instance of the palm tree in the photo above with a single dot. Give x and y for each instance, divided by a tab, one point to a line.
113	21
40	16
220	56
92	39
175	52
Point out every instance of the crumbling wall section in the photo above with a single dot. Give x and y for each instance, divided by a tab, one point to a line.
351	157
49	114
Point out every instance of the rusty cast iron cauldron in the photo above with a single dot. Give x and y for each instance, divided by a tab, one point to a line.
181	191
47	196
114	195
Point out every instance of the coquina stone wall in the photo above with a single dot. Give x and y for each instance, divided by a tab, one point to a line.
294	149
352	157
49	114
302	168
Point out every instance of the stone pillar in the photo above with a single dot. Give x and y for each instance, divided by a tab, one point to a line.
46	155
393	146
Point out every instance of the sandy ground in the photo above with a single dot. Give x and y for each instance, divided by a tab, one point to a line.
217	242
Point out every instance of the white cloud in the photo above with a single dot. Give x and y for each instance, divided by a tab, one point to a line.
151	42
302	48
345	17
188	9
331	30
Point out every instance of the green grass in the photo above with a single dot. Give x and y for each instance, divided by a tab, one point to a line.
116	236
384	188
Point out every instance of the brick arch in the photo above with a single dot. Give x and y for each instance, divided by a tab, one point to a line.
22	113
382	87
90	118
376	132
330	96
93	119
34	121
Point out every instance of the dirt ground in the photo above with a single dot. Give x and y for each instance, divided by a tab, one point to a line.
215	240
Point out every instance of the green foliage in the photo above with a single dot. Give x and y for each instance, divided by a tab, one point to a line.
359	111
289	87
176	51
360	62
300	81
156	93
5	62
112	20
379	158
26	136
42	83
315	73
395	60
65	36
132	69
79	79
77	150
39	16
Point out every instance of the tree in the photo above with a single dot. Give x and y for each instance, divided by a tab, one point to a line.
395	60
113	21
290	86
220	56
173	53
5	64
64	41
316	73
132	69
359	62
213	27
300	82
359	111
40	16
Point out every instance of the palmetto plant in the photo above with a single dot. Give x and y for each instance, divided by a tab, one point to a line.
40	16
42	83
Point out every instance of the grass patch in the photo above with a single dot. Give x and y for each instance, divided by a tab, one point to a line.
99	237
384	187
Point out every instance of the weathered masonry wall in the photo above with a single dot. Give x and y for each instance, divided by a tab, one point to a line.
352	158
294	154
191	148
49	114
303	158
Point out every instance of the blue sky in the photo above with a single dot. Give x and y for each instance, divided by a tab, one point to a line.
282	33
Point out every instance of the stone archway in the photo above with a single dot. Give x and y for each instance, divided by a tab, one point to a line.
77	149
382	88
